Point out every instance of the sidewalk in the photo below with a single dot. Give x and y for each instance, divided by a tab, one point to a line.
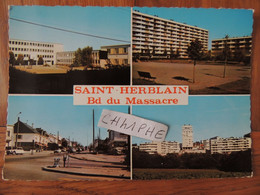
100	165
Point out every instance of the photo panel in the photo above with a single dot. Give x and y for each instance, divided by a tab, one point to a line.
53	48
207	49
209	138
48	138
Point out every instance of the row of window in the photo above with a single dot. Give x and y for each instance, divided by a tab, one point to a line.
30	43
34	50
27	55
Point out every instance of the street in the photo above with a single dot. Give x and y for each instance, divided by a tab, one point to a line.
29	167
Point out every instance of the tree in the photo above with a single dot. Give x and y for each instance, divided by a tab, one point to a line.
87	56
195	52
177	53
64	143
40	60
19	59
11	58
226	53
83	57
77	61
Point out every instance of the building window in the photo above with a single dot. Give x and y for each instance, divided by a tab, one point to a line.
19	136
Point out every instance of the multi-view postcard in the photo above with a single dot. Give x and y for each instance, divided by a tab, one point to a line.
120	93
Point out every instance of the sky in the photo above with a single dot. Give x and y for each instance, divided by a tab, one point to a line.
219	22
210	116
101	21
57	113
114	22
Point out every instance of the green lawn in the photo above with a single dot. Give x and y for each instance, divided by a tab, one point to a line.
149	174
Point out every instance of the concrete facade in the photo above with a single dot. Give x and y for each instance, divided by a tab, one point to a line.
34	49
243	44
162	37
228	145
187	137
161	148
65	58
118	54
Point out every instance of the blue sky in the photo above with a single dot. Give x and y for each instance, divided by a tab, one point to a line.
114	22
219	22
210	116
102	21
57	113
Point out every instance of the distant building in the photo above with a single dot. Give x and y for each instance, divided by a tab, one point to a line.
161	148
118	141
65	58
118	54
152	35
244	44
35	49
187	137
228	145
107	55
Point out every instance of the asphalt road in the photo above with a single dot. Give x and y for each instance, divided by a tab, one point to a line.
28	167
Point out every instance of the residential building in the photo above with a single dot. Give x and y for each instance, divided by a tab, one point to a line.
26	136
99	58
234	44
35	49
10	136
157	36
162	148
118	54
228	145
187	137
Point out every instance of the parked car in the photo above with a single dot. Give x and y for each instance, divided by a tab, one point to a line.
17	151
57	151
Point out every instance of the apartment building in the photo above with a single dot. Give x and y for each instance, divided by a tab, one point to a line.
9	141
228	145
34	49
244	44
118	54
156	36
187	137
162	148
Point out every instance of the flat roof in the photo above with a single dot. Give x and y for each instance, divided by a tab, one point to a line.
34	41
167	20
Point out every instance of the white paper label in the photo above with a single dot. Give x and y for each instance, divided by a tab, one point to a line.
133	125
130	95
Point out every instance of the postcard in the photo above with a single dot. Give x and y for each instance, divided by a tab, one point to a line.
120	93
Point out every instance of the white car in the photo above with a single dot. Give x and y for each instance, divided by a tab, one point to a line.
57	151
17	151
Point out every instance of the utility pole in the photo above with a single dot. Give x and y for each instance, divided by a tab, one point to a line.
17	130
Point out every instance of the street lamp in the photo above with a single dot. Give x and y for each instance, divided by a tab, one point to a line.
18	126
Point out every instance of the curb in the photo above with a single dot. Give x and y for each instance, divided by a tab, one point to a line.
117	163
83	174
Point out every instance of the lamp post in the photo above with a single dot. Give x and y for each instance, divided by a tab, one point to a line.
17	131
